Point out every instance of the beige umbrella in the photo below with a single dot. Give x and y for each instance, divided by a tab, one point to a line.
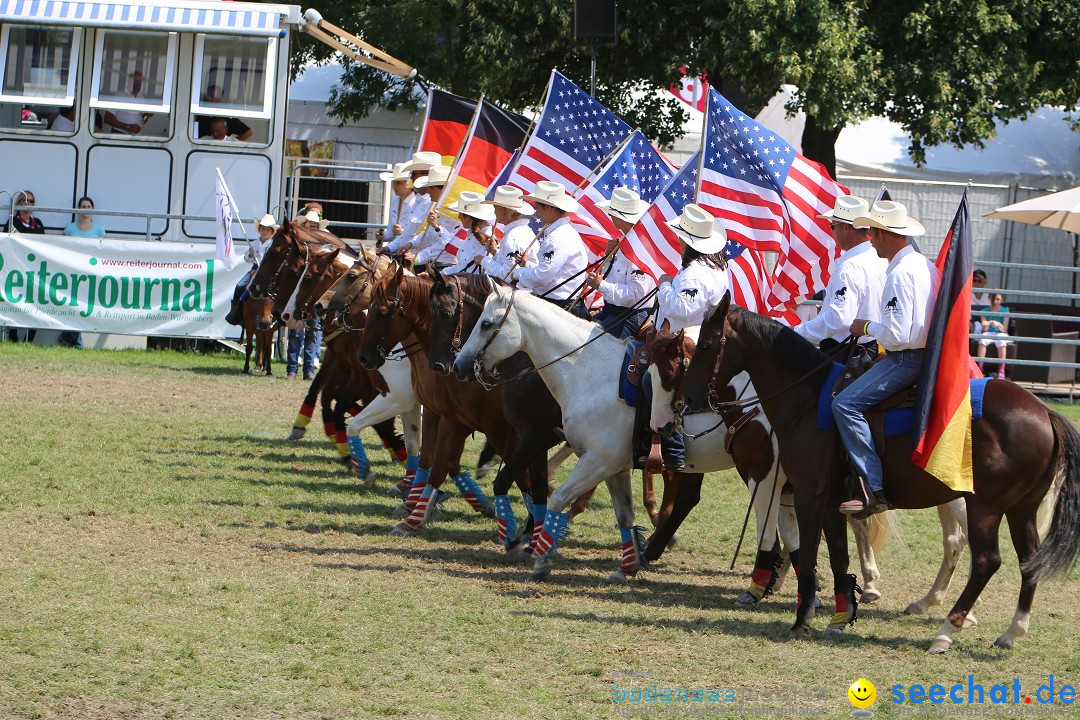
1060	210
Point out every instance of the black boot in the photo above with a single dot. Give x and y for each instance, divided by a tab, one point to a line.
235	316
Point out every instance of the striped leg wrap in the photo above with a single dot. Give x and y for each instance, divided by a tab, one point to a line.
304	416
353	410
555	528
505	521
330	428
418	486
472	492
424	504
341	440
411	463
631	560
539	512
766	566
847	604
359	455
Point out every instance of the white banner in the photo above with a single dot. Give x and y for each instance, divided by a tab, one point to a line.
130	287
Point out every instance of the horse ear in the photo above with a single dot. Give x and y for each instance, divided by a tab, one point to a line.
436	275
399	274
724	306
665	327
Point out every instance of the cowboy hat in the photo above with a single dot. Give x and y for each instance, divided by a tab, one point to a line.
891	217
398	173
847	208
553	194
698	229
472	204
312	217
267	220
437	175
625	204
422	161
510	197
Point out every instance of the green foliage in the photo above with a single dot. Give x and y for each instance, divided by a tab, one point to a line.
946	70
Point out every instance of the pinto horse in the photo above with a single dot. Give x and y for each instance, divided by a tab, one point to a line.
1018	448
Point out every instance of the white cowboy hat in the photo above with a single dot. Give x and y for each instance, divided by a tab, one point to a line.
422	161
625	204
510	197
398	173
847	208
553	194
437	175
699	230
890	216
473	205
312	217
267	220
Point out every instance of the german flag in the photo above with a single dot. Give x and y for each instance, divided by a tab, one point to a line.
496	135
943	403
446	124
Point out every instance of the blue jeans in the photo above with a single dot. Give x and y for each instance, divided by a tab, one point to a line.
897	371
309	339
621	322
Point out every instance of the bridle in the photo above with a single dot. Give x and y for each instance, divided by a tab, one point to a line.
478	360
455	342
393	308
272	287
343	314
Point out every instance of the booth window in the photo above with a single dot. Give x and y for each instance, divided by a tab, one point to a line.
38	67
234	83
132	84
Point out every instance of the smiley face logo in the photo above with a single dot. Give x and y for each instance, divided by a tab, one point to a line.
862	695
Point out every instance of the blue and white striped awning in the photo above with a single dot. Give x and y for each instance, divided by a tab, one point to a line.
201	16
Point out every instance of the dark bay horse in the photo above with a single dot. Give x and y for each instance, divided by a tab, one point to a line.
1020	447
258	332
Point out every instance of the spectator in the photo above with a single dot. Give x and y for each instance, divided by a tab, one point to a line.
64	121
995	322
85	225
128	122
219	130
24	220
310	338
310	217
979	297
235	128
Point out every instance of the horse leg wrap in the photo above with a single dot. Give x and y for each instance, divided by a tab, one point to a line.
417	488
765	571
424	505
555	528
411	463
330	428
304	416
505	521
359	455
471	491
804	609
341	440
847	604
539	512
631	553
353	410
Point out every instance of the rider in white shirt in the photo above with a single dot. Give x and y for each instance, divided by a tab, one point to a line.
415	207
561	254
907	303
476	220
512	212
429	242
256	249
622	284
857	279
399	191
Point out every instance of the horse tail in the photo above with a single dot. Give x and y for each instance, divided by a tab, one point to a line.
1059	552
879	528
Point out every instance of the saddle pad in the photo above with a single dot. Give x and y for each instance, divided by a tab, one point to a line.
627	390
898	421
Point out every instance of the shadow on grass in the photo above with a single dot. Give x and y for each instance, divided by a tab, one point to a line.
228	371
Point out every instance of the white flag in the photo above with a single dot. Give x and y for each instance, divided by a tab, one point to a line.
225	208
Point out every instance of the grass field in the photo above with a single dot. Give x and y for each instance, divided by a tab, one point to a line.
166	554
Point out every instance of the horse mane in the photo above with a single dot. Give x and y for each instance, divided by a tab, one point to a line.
319	237
792	351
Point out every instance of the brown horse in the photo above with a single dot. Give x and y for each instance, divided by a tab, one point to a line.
452	410
257	333
1018	447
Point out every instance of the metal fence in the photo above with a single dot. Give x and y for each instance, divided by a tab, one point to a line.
354	197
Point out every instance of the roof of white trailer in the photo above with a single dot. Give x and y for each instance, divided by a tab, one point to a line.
201	16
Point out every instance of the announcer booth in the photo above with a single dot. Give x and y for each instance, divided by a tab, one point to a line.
136	103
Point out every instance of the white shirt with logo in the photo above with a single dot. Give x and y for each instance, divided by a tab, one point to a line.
686	300
854	291
627	284
414	211
560	255
470	255
515	240
907	302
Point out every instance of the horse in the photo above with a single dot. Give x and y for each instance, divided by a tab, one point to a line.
1019	448
581	365
258	332
452	410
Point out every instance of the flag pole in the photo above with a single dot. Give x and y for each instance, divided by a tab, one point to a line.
232	203
532	123
701	151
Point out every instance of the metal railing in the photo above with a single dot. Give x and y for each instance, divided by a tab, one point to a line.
341	166
149	217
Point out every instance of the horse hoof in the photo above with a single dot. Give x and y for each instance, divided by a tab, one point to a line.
369	478
817	602
940	646
1004	642
404	529
618	578
487	511
393	491
970	622
401	510
518	553
917	608
834	631
673	541
297	434
541	569
869	596
746	598
799	632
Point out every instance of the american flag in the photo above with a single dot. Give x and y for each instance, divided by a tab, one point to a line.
747	276
638	166
768	197
573	135
454	244
651	244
